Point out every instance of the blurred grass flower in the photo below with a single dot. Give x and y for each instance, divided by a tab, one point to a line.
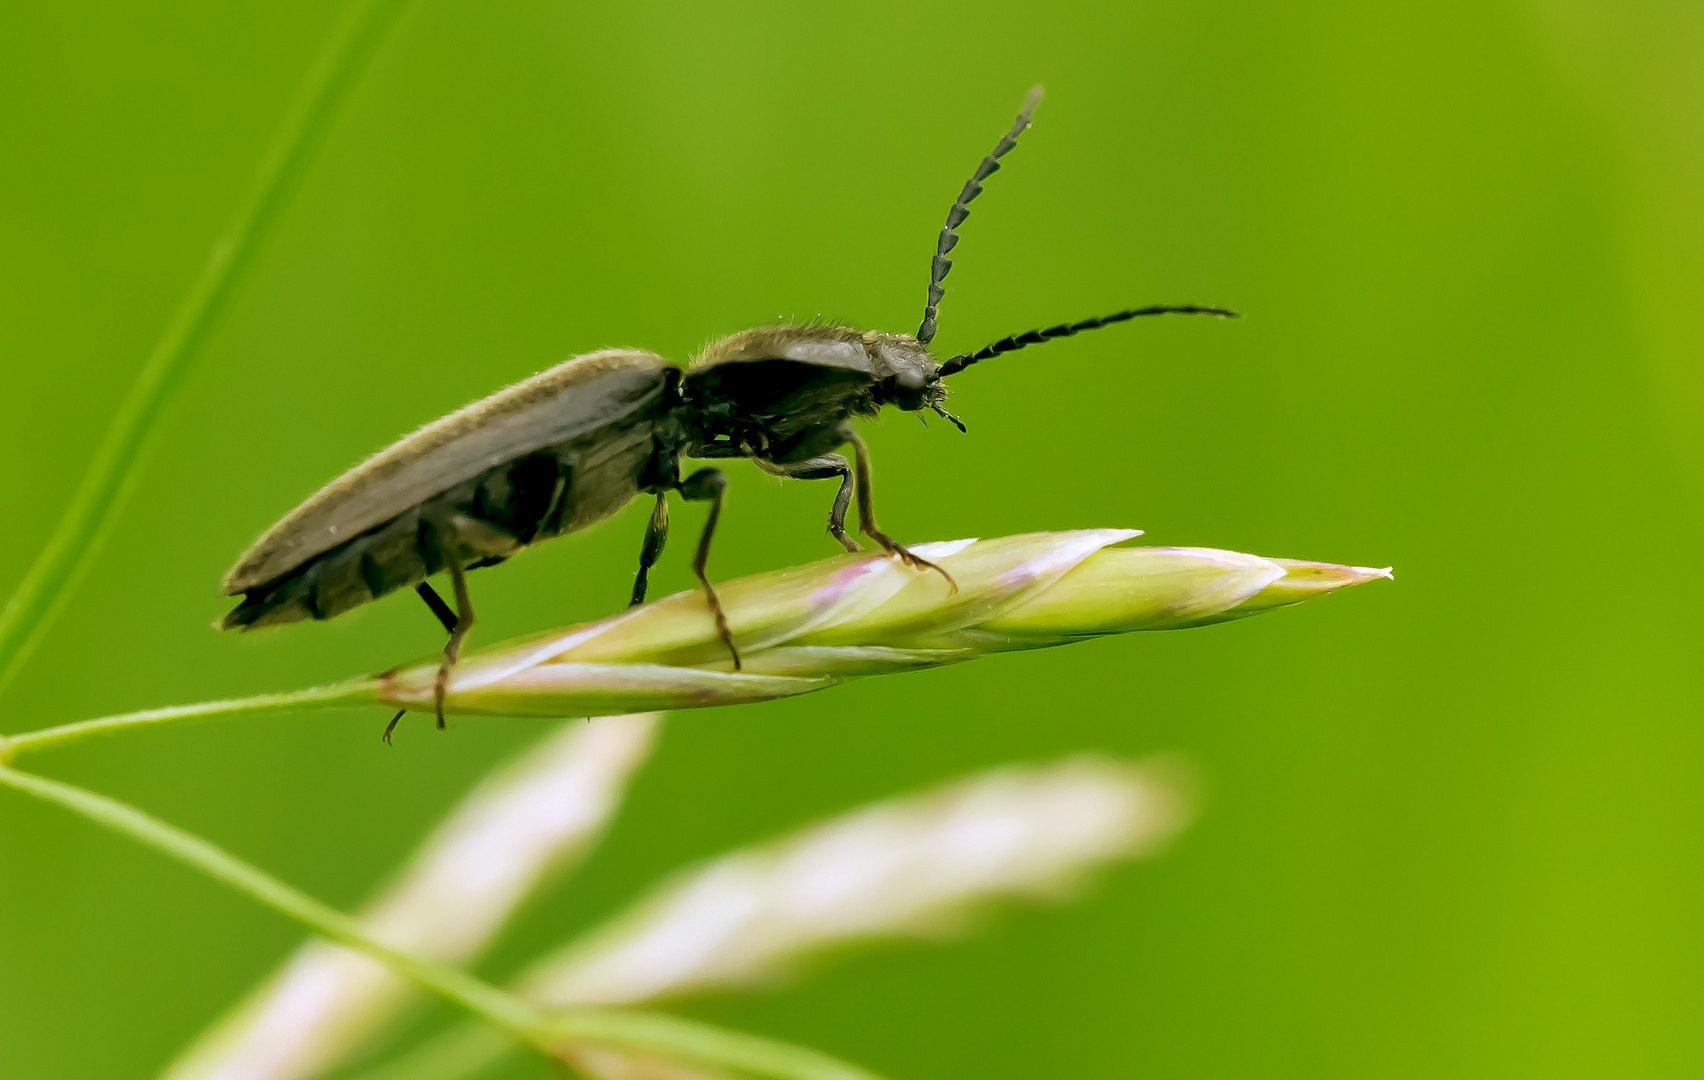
603	1063
911	867
809	627
915	867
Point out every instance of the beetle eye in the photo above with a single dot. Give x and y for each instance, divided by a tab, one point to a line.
905	390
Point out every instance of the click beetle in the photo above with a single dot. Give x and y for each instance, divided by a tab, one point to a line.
554	453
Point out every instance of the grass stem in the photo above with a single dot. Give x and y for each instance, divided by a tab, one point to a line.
750	1054
353	692
502	1009
112	475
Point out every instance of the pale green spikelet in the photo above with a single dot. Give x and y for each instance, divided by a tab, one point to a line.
808	627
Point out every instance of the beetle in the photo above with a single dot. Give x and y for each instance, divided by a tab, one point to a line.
554	453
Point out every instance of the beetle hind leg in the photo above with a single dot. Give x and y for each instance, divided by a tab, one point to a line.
708	485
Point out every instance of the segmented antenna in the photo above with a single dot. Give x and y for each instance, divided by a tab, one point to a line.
961	210
1036	337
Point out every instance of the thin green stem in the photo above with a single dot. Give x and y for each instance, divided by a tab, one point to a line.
751	1054
463	1051
112	475
355	691
504	1010
471	1049
549	1032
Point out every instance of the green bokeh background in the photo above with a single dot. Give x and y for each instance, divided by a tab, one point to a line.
1454	822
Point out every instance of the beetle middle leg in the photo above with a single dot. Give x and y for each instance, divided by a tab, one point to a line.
709	484
867	513
826	467
656	535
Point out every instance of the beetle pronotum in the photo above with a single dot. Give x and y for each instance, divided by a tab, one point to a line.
573	444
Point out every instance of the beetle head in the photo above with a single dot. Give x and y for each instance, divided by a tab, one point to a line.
913	379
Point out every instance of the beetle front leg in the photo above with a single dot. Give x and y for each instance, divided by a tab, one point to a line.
708	485
826	467
656	535
867	513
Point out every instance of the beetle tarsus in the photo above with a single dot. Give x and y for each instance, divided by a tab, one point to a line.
390	727
904	555
838	531
708	485
721	618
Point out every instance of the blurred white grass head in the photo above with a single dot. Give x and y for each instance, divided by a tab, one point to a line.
911	867
606	1063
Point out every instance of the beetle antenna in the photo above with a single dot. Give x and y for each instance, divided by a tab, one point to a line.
961	210
1035	337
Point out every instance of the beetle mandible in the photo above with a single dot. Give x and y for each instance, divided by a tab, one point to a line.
573	444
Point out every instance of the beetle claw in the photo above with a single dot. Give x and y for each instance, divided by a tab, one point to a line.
918	563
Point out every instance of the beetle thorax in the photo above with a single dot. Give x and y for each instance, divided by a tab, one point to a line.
912	380
783	393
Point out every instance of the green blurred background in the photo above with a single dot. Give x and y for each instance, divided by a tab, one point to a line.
1454	822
